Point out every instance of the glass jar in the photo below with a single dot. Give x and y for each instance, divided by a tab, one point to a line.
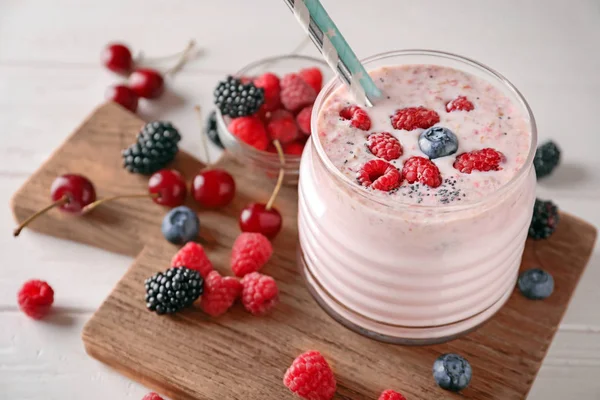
411	274
264	161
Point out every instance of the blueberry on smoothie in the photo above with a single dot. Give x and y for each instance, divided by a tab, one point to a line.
437	142
452	372
536	284
180	225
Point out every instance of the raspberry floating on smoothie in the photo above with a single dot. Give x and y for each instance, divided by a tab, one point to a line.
452	372
311	377
357	116
380	175
479	160
391	395
438	142
460	104
384	145
422	170
536	284
544	220
412	118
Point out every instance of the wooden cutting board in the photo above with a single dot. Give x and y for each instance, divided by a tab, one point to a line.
238	356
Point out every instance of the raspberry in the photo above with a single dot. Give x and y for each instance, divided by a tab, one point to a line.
296	93
310	377
379	175
294	148
303	120
391	395
281	126
414	117
259	293
459	104
192	256
250	252
384	145
479	160
219	293
270	83
357	116
35	298
313	77
152	396
422	170
250	130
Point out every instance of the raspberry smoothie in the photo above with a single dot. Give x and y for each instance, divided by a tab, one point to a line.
413	213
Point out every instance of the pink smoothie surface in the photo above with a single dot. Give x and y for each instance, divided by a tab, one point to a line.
495	122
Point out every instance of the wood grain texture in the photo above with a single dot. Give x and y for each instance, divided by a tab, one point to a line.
237	356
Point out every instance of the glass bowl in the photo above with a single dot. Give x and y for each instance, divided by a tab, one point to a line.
264	161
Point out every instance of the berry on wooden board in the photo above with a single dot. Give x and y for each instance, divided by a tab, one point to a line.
35	298
70	193
219	293
311	377
173	290
193	256
536	284
250	253
169	187
391	395
259	293
155	147
544	220
452	372
152	396
213	188
180	225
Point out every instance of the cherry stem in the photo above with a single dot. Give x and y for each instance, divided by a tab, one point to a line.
62	201
183	58
204	133
280	177
96	203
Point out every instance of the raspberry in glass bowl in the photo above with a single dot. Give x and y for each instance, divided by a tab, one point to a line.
290	86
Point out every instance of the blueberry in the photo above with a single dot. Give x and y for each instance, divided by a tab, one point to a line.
180	225
438	142
536	284
452	372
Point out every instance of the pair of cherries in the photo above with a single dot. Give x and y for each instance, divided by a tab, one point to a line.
145	83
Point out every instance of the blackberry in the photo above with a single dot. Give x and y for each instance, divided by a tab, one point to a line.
211	129
237	99
547	157
544	221
170	291
156	146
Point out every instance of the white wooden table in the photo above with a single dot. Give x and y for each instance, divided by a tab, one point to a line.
50	78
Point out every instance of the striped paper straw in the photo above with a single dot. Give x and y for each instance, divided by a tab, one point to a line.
334	48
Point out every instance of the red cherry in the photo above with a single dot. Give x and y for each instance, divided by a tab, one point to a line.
117	58
213	188
170	187
256	218
122	95
147	83
78	190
